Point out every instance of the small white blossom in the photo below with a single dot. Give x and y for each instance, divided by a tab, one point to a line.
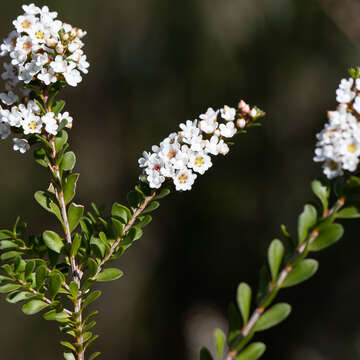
8	98
50	122
344	93
199	162
228	130
21	145
32	124
228	113
65	116
184	179
4	130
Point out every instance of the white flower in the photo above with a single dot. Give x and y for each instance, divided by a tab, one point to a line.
4	130
39	33
31	9
228	130
208	123
47	76
24	23
8	98
211	146
59	65
199	162
13	117
9	43
155	179
50	122
184	179
241	123
228	113
32	124
65	116
332	169
344	94
71	75
356	104
21	145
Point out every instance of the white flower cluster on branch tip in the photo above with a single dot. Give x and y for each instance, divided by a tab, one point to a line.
183	155
43	53
338	145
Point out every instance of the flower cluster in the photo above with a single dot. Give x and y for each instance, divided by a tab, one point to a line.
45	54
183	155
338	145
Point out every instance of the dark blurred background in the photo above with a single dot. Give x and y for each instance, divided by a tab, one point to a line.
155	63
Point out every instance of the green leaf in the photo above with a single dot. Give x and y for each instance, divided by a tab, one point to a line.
94	355
75	212
74	289
301	272
275	315
54	284
92	266
68	161
350	212
163	193
91	298
18	296
40	276
264	280
98	246
252	352
41	157
47	203
68	345
7	244
122	212
29	268
70	187
33	307
134	199
53	241
220	339
244	300
109	274
9	255
8	288
69	356
275	255
328	235
322	192
307	220
59	105
75	246
151	207
52	315
205	354
61	139
145	220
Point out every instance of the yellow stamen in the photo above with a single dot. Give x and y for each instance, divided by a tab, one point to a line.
183	178
199	161
32	125
351	148
39	35
26	24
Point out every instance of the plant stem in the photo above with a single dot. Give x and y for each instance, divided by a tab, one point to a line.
128	226
76	273
275	287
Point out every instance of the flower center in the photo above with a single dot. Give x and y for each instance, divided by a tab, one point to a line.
26	24
183	178
32	125
27	45
171	154
156	167
199	161
39	35
351	148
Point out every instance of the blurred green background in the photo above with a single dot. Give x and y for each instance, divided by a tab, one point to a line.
155	63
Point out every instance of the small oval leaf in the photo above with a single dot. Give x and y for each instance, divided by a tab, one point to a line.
301	272
275	315
109	274
244	300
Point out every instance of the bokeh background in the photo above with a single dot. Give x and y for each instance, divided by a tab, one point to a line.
155	63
